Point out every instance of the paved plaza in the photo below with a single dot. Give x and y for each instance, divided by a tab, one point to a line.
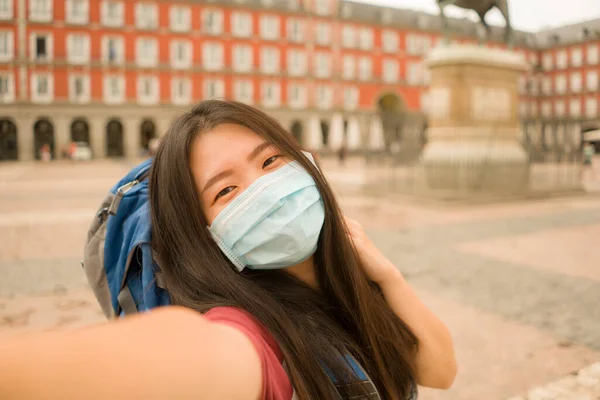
518	283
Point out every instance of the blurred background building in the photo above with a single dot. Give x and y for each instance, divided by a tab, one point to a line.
114	73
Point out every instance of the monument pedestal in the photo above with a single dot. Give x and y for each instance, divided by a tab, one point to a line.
473	136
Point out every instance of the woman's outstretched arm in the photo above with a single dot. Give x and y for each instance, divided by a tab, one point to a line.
170	353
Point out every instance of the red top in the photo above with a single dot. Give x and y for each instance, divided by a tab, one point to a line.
275	382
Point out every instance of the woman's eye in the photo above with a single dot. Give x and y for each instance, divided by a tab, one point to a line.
270	161
224	192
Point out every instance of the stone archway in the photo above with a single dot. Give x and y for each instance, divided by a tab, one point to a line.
9	150
391	112
114	139
43	133
147	133
297	130
80	131
325	132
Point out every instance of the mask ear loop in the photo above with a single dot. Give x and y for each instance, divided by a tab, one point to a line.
311	158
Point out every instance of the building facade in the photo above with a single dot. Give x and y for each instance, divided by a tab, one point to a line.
114	73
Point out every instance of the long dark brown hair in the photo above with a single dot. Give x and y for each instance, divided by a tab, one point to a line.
313	329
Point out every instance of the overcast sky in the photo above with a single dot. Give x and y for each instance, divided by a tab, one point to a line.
528	15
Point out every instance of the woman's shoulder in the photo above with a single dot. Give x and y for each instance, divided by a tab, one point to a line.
276	384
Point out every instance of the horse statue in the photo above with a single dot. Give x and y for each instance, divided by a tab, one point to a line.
481	7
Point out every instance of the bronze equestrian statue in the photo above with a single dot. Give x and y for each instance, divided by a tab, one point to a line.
481	7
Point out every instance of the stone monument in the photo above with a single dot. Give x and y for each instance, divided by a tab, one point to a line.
473	136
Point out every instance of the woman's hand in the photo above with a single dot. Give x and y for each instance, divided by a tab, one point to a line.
377	267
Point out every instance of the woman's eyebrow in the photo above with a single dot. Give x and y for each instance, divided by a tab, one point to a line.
259	149
220	176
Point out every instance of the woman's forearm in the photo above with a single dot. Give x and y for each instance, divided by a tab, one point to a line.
436	362
169	353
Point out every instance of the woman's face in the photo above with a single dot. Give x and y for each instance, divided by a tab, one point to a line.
225	161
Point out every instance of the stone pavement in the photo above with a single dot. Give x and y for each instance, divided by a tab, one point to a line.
517	283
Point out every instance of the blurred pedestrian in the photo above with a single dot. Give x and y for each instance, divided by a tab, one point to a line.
588	159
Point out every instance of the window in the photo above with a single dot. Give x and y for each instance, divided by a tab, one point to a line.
414	44
180	18
146	52
559	108
6	9
113	13
591	81
79	88
297	63
181	54
576	82
114	89
113	50
592	54
147	90
575	108
366	39
77	11
390	41
40	10
41	47
295	30
547	62
297	97
364	68
212	55
534	85
322	7
181	91
241	24
146	16
522	109
390	71
269	60
322	65
78	48
576	57
7	88
271	94
560	83
348	67
269	27
534	59
242	58
243	91
323	34
561	59
546	109
212	22
42	87
6	46
547	85
533	108
348	37
351	95
414	73
591	107
214	89
324	97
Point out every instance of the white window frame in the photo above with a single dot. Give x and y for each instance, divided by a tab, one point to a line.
348	67
390	41
7	13
324	97
270	27
85	96
547	62
562	59
297	68
297	95
186	62
82	19
49	46
151	98
242	57
348	37
577	57
120	50
212	56
296	29
270	60
41	14
591	107
366	38
9	49
592	54
547	85
146	15
9	96
414	44
559	108
591	80
414	73
243	91
216	26
560	84
323	64
365	68
108	96
146	60
351	98
178	98
112	21
391	70
323	33
275	101
185	12
42	98
241	24
575	107
546	109
219	85
83	56
322	7
576	82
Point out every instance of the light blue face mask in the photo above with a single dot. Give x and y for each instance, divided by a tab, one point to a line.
274	223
